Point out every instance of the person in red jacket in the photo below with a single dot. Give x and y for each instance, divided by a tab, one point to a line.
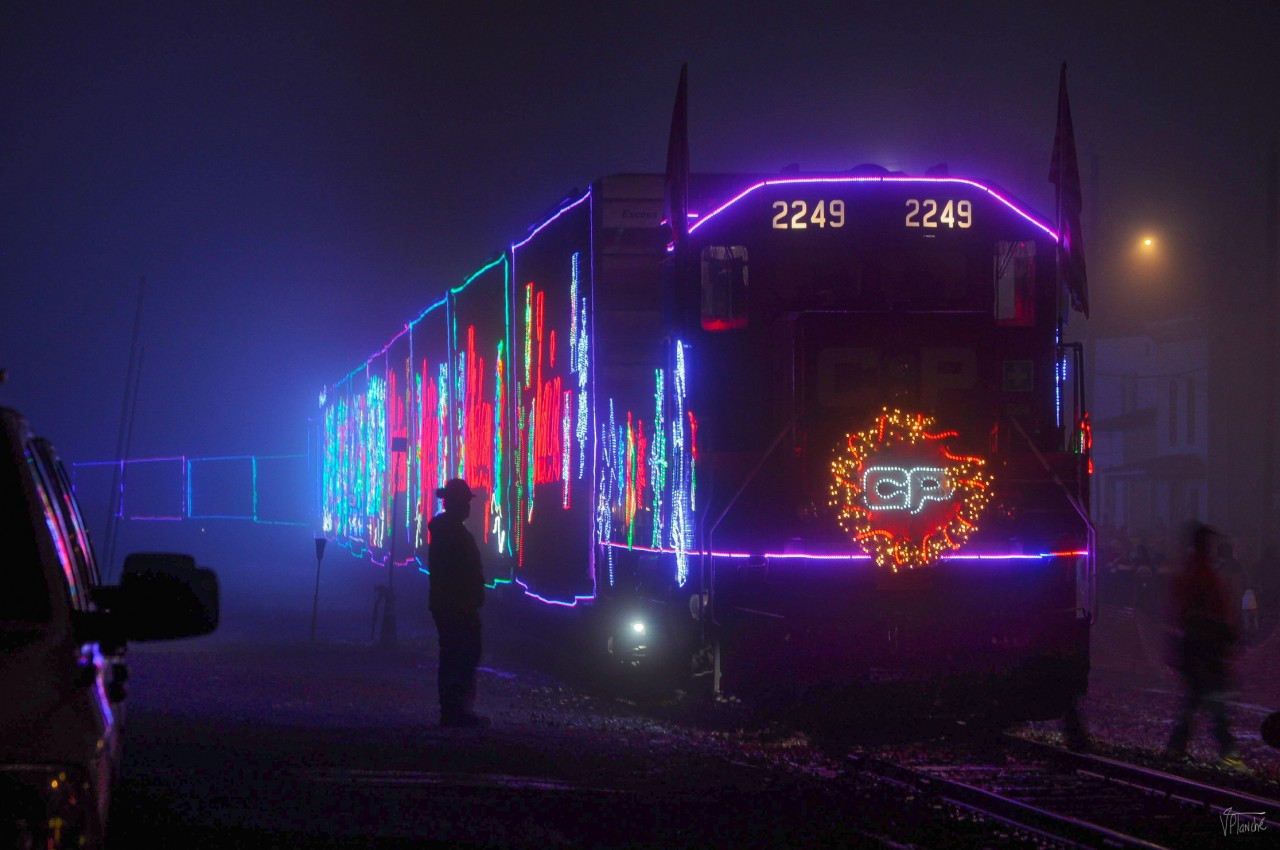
457	594
1205	624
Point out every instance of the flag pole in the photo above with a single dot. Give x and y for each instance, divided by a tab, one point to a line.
1064	173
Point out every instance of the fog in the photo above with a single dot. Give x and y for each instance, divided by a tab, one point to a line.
295	182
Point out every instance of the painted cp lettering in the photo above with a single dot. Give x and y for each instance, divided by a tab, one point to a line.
899	488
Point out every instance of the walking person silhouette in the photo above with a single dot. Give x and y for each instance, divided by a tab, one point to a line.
1204	622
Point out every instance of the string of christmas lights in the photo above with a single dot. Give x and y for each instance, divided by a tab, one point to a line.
903	495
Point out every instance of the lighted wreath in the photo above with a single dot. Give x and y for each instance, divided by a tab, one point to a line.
903	495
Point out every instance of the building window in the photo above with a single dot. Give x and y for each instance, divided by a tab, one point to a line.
1191	411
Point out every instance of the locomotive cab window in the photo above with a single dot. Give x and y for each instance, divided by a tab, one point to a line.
724	287
1015	283
24	593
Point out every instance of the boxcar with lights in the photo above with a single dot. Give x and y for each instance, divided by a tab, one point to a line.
832	438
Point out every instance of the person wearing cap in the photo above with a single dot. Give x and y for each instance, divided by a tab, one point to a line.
457	593
1203	619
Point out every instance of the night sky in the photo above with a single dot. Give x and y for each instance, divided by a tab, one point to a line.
297	181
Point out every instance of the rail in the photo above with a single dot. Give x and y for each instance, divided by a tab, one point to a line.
1075	799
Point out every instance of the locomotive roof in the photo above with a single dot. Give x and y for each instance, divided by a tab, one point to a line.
711	193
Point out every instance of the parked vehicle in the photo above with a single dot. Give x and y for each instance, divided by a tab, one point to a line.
62	645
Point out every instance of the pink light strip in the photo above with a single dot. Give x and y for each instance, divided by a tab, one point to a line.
879	179
743	555
406	329
382	351
859	557
517	245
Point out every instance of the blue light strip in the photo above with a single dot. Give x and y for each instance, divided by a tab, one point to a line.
186	486
682	474
123	464
577	600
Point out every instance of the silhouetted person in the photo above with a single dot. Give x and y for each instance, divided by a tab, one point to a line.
1204	620
457	593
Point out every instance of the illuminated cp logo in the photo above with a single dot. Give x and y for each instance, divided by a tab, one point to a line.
897	488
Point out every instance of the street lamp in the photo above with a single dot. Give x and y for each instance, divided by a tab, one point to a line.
1148	248
1150	265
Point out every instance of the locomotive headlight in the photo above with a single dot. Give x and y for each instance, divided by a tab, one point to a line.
634	636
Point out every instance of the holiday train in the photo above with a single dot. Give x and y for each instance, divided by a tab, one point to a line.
827	436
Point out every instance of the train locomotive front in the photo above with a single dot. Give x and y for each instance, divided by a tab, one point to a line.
892	447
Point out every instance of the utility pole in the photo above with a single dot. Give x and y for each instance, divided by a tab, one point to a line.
122	441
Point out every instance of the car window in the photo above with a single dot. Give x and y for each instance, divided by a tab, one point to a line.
72	520
24	593
56	524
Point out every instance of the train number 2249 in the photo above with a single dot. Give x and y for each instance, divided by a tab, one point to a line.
797	215
928	212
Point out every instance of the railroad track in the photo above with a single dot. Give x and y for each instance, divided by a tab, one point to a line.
1011	792
1050	796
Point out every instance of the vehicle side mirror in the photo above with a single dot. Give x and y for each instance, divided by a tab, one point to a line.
168	596
160	596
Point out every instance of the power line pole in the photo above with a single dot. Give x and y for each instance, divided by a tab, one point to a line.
122	442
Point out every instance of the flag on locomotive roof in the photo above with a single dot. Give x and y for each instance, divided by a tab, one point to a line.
1064	173
676	184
